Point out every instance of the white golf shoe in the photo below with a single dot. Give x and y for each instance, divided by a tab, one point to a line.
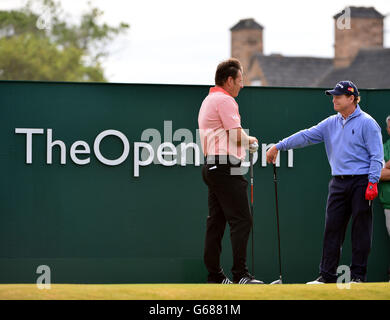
319	280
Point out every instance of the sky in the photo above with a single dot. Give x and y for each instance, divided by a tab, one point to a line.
182	41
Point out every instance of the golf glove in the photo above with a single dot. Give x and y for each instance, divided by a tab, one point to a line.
371	191
253	147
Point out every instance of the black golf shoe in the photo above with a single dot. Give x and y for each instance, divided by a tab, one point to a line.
319	280
218	278
248	279
226	280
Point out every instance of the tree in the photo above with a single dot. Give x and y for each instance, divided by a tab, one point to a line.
44	46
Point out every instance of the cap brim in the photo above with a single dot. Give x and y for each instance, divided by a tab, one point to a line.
333	92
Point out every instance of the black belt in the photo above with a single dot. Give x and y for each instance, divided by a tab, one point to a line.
348	176
228	160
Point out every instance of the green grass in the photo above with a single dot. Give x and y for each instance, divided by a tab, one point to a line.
366	291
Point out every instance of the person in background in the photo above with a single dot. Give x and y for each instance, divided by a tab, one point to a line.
384	185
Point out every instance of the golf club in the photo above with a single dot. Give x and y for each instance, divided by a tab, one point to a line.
279	281
251	176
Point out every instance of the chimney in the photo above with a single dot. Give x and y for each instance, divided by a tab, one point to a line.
247	40
356	28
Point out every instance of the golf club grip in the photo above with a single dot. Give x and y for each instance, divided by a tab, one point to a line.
274	172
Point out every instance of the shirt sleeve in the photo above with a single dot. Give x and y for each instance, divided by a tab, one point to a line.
373	141
304	137
228	112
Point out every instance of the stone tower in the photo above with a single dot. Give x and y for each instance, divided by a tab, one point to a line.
356	28
247	40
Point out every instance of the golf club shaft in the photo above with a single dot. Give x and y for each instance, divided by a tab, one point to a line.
277	221
251	177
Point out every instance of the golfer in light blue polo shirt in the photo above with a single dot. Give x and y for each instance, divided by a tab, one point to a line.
353	144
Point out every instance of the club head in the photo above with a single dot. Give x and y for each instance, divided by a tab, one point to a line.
279	281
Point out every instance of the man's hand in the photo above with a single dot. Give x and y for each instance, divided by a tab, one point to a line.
253	147
271	154
252	140
371	191
239	137
253	144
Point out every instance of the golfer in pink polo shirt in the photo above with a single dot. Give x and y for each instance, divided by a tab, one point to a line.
224	144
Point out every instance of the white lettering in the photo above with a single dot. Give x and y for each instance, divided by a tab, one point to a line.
161	153
166	153
51	144
183	152
137	161
74	152
126	149
166	310
290	158
155	142
29	133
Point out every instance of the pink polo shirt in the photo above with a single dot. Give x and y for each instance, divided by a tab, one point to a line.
218	114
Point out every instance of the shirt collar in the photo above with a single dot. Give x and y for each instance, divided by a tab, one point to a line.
218	89
356	113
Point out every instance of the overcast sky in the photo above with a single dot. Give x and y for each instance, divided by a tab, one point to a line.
182	41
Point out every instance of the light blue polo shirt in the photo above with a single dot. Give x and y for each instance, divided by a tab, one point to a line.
353	147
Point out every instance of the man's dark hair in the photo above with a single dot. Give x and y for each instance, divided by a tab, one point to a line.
226	69
356	99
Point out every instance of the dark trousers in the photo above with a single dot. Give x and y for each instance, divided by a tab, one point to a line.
228	202
346	200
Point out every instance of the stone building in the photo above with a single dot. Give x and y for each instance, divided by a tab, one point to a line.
359	55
